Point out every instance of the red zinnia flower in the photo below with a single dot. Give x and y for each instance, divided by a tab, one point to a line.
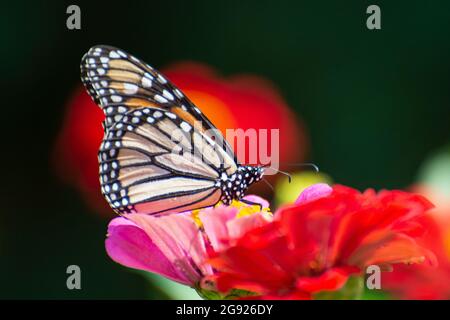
316	244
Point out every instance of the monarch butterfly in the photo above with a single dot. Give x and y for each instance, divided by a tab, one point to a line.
160	154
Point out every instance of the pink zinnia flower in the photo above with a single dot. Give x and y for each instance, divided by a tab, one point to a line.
175	246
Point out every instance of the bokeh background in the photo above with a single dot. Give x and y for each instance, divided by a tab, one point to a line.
371	108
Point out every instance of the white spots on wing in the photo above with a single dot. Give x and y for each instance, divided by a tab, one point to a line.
160	99
150	120
157	114
148	75
115	98
185	126
101	71
167	94
104	83
104	59
114	55
178	93
161	79
117	118
130	88
91	60
146	82
135	120
122	109
197	110
123	54
171	115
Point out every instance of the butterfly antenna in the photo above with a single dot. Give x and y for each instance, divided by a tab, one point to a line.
268	183
314	166
279	171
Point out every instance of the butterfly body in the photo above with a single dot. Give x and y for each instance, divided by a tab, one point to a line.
160	154
235	186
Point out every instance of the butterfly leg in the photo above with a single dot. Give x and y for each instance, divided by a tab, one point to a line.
251	203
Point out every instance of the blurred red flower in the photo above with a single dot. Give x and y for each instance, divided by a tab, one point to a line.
75	153
242	101
423	282
316	244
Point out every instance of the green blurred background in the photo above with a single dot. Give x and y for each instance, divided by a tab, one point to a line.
375	103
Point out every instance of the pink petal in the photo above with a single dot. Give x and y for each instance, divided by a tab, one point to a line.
214	222
180	240
222	226
256	199
314	192
129	245
238	227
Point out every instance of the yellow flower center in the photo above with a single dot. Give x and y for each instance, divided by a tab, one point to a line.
243	210
194	216
246	210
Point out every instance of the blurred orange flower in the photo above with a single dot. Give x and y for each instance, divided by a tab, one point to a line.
241	101
422	281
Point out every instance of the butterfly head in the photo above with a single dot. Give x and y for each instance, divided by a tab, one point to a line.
235	186
251	174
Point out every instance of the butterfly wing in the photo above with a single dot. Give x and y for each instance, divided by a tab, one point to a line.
154	162
119	82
